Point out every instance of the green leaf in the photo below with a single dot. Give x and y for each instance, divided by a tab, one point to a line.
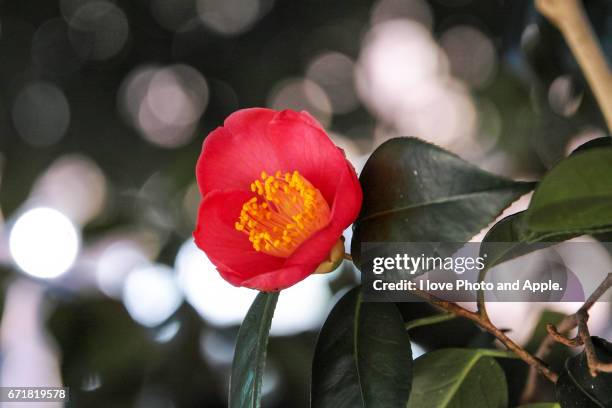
508	239
577	389
426	321
513	231
542	405
575	197
458	378
417	192
504	241
250	354
363	356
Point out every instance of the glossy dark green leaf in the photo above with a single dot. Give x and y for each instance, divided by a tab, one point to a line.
250	354
417	192
363	357
458	378
510	235
577	389
505	240
542	405
426	321
508	239
574	197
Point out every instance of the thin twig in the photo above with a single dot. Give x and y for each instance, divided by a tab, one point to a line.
595	365
559	338
570	18
568	323
486	324
580	319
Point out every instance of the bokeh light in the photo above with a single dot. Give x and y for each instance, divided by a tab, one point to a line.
191	203
397	60
28	357
228	17
302	94
98	31
403	77
43	243
164	103
114	264
151	295
583	136
563	96
52	51
448	117
471	54
223	304
309	299
74	185
217	349
214	299
41	114
172	15
333	72
167	332
416	10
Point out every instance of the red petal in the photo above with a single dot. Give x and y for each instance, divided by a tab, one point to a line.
303	145
301	264
229	250
234	155
315	249
347	202
279	279
233	255
259	139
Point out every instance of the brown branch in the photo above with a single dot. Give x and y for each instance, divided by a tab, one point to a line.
348	257
595	366
555	334
559	338
570	18
486	324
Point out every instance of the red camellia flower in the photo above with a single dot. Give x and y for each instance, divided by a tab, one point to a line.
277	195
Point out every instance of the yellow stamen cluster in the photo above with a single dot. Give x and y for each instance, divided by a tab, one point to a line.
285	211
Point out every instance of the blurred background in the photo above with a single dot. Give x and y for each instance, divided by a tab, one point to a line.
104	106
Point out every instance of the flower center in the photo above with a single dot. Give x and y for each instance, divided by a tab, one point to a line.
285	212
